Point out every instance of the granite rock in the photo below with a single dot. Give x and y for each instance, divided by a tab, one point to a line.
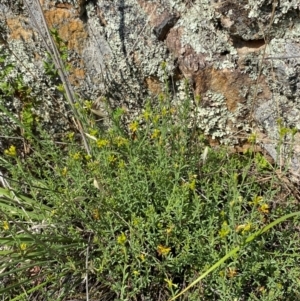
240	56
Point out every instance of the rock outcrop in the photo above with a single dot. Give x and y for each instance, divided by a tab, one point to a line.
241	57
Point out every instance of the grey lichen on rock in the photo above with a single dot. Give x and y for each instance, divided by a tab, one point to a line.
129	50
225	49
213	117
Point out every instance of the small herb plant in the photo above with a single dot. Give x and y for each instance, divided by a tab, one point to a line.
152	209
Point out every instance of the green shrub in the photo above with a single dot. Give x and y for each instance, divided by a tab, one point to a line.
151	209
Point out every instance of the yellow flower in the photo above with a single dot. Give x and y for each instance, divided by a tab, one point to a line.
252	138
88	104
170	229
256	200
133	126
76	156
64	171
23	246
192	185
261	289
264	208
93	132
121	239
247	227
146	115
96	214
120	141
162	250
88	157
235	177
71	136
164	111
155	134
170	283
243	228
5	225
135	273
111	158
102	142
142	257
225	230
121	164
12	151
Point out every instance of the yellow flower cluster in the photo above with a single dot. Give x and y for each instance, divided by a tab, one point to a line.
5	225
76	156
93	132
111	158
12	151
88	104
259	201
96	214
120	141
102	142
252	138
146	115
133	126
121	239
243	228
225	230
70	136
163	250
170	283
121	164
23	246
264	208
155	134
64	171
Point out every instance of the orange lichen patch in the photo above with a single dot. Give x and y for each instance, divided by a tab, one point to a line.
223	81
228	83
204	77
153	84
56	17
76	75
37	56
64	5
70	28
75	33
17	30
